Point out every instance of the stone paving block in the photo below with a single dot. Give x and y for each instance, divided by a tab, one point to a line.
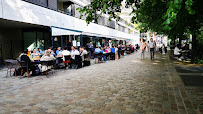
127	86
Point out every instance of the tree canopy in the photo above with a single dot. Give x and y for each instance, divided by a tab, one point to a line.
170	17
157	15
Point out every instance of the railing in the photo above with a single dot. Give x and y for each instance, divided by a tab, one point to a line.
65	12
53	5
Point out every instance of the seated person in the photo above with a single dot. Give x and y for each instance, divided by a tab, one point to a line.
112	49
83	52
65	52
105	49
25	58
51	52
58	51
98	50
34	55
109	49
74	52
46	57
177	51
59	55
39	51
22	53
131	47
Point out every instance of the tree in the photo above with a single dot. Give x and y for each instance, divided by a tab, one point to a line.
169	17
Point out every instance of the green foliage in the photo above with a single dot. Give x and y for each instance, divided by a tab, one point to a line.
169	17
189	5
198	61
103	7
200	37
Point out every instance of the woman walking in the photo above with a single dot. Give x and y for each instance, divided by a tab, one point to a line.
142	47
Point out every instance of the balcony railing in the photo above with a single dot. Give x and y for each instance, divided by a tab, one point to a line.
53	5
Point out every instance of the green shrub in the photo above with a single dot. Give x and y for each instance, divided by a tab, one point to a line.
198	61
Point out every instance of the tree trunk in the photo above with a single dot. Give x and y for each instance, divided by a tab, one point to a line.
194	48
180	41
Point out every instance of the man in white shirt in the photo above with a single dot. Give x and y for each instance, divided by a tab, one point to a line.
151	47
177	51
82	52
74	52
65	52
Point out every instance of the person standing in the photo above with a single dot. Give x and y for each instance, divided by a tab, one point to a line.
163	49
151	48
147	47
116	53
142	47
90	49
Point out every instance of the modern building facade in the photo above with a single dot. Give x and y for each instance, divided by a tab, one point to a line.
27	24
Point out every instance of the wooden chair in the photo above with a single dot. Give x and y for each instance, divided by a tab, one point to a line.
78	61
100	58
45	63
112	55
86	61
24	65
67	60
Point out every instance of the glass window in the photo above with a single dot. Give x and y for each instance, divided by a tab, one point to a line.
47	37
57	41
29	40
40	40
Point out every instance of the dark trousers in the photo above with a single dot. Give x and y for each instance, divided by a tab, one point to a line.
152	53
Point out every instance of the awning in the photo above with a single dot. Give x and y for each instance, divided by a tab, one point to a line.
97	35
56	31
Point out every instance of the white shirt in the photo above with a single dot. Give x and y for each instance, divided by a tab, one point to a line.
151	44
177	51
73	53
83	53
47	58
64	53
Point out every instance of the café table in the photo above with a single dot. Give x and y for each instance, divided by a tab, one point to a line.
10	64
35	60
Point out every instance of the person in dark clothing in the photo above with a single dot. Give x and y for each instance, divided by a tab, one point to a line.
119	51
25	58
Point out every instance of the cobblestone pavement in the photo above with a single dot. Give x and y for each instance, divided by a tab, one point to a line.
128	85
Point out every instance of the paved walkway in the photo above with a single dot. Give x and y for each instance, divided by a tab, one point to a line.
128	85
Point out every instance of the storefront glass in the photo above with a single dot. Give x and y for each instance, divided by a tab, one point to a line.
36	39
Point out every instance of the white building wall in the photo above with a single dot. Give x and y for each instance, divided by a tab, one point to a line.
0	8
18	10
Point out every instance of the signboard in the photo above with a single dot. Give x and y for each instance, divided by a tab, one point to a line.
74	43
78	43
